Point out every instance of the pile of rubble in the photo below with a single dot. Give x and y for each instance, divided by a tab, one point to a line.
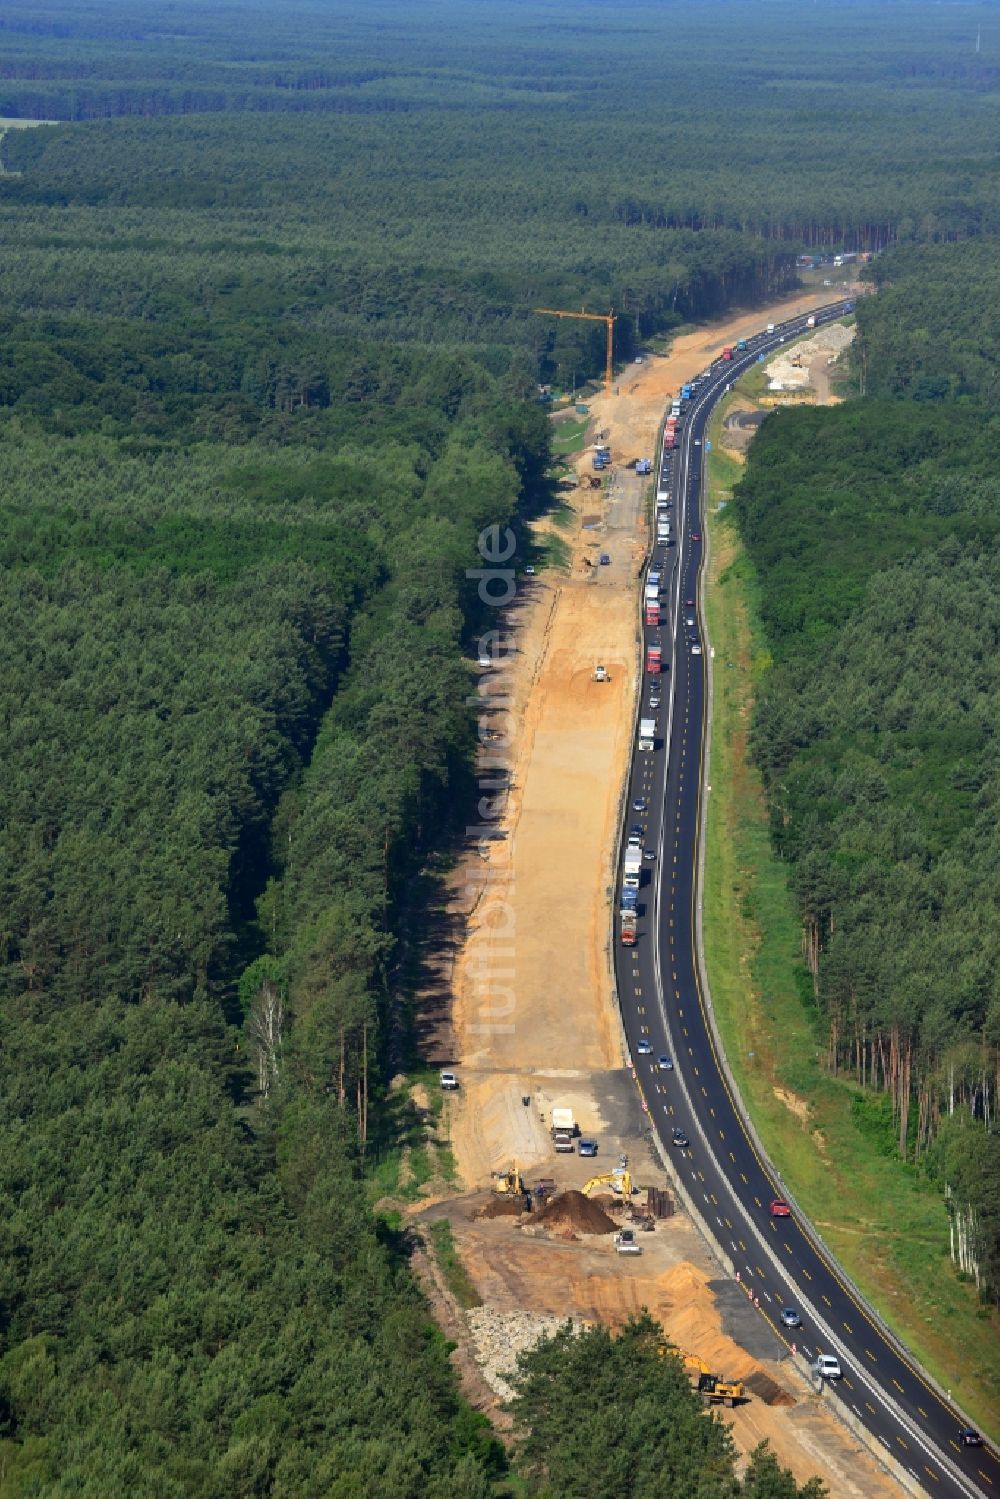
790	370
500	1336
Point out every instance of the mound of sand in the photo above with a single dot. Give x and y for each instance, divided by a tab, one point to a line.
574	1211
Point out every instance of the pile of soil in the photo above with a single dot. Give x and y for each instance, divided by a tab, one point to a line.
573	1210
768	1389
502	1207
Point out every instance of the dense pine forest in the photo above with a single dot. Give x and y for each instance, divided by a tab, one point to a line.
875	528
268	366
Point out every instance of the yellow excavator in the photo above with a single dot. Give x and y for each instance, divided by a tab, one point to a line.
509	1183
619	1182
716	1391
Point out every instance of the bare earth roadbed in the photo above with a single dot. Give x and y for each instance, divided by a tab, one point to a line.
532	1011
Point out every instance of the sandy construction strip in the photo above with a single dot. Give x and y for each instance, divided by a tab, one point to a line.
533	1017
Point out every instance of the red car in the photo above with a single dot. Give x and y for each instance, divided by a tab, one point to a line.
695	535
780	1208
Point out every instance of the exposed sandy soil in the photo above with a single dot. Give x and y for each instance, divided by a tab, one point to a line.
526	973
633	414
521	1269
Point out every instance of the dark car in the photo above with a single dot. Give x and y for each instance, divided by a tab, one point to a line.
587	1147
678	1137
639	805
969	1437
635	831
605	559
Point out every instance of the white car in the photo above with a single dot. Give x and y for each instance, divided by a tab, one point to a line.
696	650
448	1081
827	1367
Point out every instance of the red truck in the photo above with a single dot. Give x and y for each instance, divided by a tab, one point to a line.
629	925
652	614
727	352
654	657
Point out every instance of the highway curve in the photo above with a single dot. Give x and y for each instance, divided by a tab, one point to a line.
729	1182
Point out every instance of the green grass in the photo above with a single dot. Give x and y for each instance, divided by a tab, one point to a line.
554	552
454	1272
415	1154
569	435
420	1169
884	1221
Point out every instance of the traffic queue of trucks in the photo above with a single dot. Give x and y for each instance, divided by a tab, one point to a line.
632	866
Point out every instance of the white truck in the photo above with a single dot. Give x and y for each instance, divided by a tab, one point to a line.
647	733
632	868
563	1123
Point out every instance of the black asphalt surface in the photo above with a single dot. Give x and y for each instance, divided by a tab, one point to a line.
662	1003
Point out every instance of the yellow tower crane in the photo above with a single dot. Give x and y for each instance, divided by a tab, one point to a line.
608	318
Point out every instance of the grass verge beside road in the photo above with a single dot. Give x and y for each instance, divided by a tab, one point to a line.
885	1223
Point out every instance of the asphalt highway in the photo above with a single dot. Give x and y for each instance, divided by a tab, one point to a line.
779	1260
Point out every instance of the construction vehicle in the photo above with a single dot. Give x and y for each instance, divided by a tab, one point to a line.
626	1242
601	674
714	1391
509	1183
619	1181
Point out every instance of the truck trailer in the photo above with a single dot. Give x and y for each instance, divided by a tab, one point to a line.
632	868
647	733
563	1122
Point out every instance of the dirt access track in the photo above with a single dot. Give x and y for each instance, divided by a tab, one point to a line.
534	1022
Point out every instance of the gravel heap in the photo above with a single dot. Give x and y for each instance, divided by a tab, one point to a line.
573	1210
783	375
500	1336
